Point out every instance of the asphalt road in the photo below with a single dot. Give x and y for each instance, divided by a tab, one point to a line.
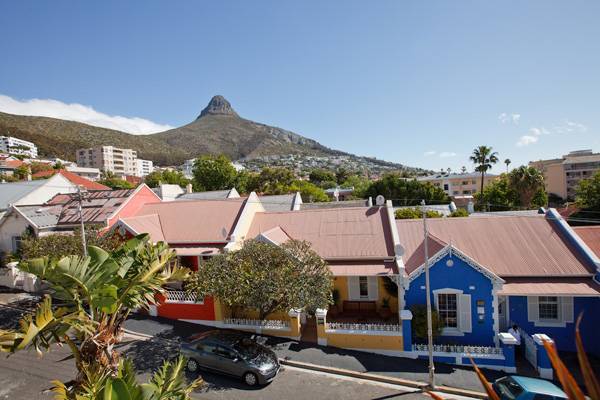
26	376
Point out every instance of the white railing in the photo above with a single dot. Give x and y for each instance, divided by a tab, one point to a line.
180	296
349	326
459	349
257	323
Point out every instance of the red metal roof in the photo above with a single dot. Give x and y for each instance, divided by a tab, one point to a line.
550	287
333	233
73	178
507	246
591	236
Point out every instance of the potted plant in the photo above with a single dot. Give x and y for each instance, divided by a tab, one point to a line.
333	309
384	311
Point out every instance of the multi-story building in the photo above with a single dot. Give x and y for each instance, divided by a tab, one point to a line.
188	168
121	162
562	175
13	145
144	167
458	184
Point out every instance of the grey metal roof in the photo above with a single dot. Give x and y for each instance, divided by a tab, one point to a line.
10	193
280	202
212	195
41	216
516	213
335	204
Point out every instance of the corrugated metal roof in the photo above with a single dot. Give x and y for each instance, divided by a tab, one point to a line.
333	233
591	236
274	203
210	195
149	224
196	251
10	193
97	206
380	268
335	204
507	246
41	216
550	287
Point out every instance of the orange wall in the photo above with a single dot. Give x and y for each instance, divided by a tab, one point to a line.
204	311
143	196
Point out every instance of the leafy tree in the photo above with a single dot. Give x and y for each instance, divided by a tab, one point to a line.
587	193
58	246
58	165
39	167
460	212
21	172
497	196
359	183
419	321
406	192
116	183
507	162
265	277
318	176
527	182
214	173
341	174
275	180
310	193
484	158
246	181
415	213
96	295
155	178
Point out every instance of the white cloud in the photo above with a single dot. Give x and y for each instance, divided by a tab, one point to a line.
526	140
446	154
570	127
509	118
533	135
80	113
430	153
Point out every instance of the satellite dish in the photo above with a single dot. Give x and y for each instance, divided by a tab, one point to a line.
399	250
379	200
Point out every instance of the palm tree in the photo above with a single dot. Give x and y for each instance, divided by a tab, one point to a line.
507	162
527	182
96	295
483	157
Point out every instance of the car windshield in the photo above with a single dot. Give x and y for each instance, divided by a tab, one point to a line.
508	388
247	349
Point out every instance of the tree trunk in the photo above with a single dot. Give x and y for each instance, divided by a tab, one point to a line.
482	178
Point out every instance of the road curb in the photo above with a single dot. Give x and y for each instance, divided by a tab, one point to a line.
382	378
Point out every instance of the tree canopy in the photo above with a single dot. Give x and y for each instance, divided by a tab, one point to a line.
521	188
266	277
484	159
415	213
527	182
406	192
155	178
214	173
587	193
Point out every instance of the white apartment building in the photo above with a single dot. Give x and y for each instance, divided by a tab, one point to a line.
144	167
188	168
93	174
458	184
121	162
13	145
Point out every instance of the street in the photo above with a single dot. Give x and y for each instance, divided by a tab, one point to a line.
26	376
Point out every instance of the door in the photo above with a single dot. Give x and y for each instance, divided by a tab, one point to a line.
207	355
229	361
503	313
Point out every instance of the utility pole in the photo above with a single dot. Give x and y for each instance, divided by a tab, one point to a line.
80	208
428	294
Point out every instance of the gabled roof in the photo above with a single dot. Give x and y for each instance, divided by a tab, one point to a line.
41	216
73	178
201	221
12	192
279	202
346	233
210	195
10	164
507	246
275	235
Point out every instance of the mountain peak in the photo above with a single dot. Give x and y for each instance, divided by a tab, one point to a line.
218	105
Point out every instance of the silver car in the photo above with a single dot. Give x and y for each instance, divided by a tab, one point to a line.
231	354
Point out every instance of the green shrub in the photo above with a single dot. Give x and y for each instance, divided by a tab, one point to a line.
461	212
419	321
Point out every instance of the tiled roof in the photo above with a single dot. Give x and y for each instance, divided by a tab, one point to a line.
591	236
507	246
198	221
11	164
346	233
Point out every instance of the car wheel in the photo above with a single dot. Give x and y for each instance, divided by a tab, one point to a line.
192	365
250	379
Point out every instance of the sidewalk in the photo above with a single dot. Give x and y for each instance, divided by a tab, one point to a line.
404	368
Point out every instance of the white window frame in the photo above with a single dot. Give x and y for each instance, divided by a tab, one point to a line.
451	331
558	304
565	311
354	288
363	280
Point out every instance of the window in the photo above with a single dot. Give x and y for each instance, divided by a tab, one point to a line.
448	310
445	186
548	308
363	287
16	243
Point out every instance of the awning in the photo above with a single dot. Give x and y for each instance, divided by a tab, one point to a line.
197	251
578	287
373	268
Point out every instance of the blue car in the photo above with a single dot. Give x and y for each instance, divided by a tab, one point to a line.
523	388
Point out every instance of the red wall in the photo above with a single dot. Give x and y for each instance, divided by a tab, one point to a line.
204	311
143	196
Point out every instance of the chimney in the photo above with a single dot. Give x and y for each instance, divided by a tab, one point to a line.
188	188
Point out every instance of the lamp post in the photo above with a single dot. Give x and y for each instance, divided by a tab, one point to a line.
428	291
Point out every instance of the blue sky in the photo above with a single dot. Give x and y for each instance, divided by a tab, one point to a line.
419	82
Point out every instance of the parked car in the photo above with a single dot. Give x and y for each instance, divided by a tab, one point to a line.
231	354
524	388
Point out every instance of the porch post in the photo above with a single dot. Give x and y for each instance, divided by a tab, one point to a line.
321	317
406	318
294	315
507	343
544	366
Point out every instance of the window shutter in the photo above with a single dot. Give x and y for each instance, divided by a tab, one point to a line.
533	310
373	288
464	309
567	308
353	289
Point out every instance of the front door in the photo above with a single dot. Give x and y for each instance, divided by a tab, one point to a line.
503	313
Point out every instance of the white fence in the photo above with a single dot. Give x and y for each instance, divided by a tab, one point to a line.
180	296
530	348
349	326
458	349
256	323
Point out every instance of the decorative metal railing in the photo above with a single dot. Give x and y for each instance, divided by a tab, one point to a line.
180	296
459	349
265	324
349	326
